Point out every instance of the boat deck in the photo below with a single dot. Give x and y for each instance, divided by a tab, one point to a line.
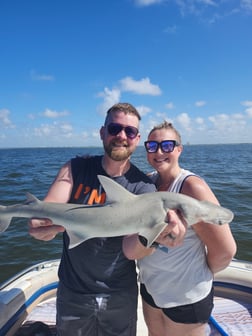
46	312
230	317
28	304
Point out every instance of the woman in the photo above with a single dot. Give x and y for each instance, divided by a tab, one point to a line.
176	283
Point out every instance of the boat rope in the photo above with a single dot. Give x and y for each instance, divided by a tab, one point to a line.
217	326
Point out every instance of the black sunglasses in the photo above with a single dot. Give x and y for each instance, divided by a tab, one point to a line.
167	146
130	131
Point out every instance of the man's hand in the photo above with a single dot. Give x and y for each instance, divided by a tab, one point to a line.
43	228
174	233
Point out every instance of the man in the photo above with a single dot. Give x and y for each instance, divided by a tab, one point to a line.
97	292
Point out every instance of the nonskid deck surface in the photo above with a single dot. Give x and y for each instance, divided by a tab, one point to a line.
233	318
44	312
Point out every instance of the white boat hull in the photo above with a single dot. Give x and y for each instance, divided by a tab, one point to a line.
30	297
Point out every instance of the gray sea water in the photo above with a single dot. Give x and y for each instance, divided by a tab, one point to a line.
226	168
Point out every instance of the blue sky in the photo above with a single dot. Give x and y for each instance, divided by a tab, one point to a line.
64	63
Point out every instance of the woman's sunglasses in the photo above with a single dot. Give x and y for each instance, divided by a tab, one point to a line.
167	146
130	131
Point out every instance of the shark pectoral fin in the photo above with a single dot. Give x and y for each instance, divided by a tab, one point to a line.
114	191
152	234
74	239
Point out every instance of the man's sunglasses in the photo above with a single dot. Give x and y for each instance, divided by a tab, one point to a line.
167	146
130	131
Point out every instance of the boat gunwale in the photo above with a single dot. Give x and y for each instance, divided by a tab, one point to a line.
34	268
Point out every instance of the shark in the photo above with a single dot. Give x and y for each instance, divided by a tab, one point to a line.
123	213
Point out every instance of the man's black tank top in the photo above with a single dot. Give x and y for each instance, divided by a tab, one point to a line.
98	265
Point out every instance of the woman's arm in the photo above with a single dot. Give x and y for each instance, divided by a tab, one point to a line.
218	239
133	248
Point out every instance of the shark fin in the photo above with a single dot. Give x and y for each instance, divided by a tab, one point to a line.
74	240
152	234
114	191
31	199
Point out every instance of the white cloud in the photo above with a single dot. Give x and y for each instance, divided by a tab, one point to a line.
248	110
144	3
40	77
147	127
141	87
66	128
246	5
184	121
169	106
207	2
200	124
182	2
200	103
143	110
5	120
162	116
247	103
54	114
110	97
54	130
199	121
43	130
229	125
171	30
238	116
31	116
194	7
219	120
96	134
213	9
127	84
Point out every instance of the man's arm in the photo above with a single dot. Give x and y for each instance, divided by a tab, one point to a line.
60	192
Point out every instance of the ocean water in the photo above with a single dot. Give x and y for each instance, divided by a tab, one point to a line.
226	168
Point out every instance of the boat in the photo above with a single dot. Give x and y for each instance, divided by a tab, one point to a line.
27	302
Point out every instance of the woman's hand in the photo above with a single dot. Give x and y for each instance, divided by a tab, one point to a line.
174	233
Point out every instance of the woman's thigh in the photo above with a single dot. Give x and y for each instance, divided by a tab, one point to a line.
159	324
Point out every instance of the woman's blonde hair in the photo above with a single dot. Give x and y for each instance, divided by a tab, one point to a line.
167	125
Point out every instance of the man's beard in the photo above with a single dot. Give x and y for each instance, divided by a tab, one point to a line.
118	153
